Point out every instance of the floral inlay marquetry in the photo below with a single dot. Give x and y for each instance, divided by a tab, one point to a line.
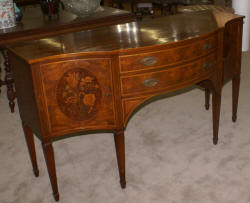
78	94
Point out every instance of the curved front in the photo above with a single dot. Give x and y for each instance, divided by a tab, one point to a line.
160	70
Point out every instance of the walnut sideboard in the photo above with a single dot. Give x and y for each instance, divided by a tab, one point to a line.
95	79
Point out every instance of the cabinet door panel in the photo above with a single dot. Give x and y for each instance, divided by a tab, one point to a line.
79	95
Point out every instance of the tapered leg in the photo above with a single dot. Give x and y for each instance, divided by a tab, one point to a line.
235	93
207	98
216	115
29	137
50	161
120	154
9	81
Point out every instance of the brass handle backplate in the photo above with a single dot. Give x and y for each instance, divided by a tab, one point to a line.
149	61
207	46
150	82
207	65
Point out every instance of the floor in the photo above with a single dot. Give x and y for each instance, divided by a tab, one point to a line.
170	157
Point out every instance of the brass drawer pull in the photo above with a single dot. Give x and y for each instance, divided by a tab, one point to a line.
149	61
207	46
150	82
207	65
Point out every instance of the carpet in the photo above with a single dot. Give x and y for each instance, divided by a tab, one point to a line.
170	157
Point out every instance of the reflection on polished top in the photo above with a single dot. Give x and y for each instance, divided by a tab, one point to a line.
122	36
34	19
36	26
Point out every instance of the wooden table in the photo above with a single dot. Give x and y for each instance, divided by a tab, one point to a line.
35	26
95	80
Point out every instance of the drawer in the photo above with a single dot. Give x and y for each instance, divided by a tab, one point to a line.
166	57
168	77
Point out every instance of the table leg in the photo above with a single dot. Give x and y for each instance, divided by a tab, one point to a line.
215	88
120	154
31	147
235	97
9	81
50	161
216	98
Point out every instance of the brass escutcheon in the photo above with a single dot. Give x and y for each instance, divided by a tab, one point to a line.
207	46
150	82
206	65
149	61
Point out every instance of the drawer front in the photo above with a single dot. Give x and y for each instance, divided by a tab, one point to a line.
79	95
166	57
167	78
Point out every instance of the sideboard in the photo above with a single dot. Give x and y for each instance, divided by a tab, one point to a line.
94	80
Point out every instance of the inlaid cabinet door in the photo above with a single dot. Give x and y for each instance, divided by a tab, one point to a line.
79	95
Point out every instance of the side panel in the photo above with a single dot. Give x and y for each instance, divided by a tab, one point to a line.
232	49
25	93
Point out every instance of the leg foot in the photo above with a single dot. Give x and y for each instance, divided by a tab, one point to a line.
120	154
50	161
56	197
234	118
215	140
36	173
123	184
29	137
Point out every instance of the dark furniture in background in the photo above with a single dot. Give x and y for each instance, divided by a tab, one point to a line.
84	81
35	26
162	4
26	2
